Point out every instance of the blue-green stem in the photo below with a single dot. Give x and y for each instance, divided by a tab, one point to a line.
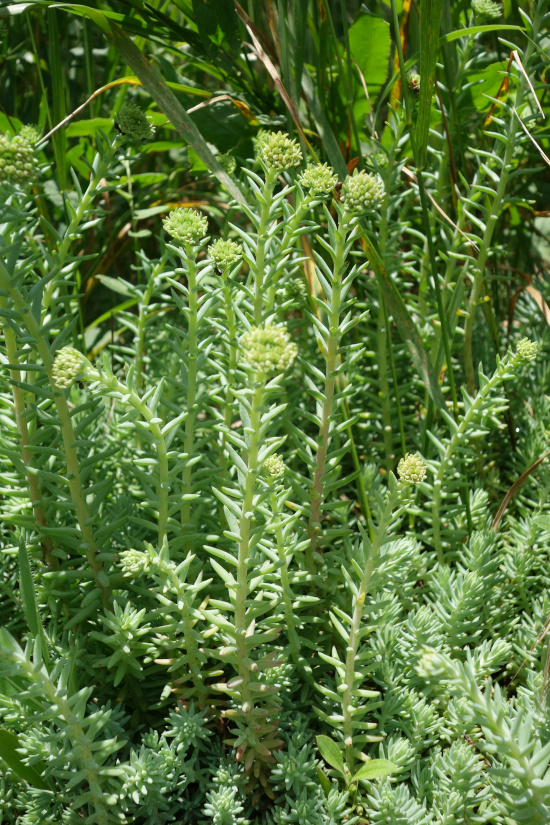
259	265
37	502
142	325
461	431
154	423
331	363
192	355
347	688
101	166
288	595
287	241
76	491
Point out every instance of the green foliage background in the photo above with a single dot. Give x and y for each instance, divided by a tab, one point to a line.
186	638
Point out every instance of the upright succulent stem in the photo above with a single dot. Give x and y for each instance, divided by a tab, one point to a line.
331	364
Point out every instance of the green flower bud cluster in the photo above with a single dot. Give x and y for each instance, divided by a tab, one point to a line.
295	290
228	161
225	254
135	564
268	350
319	179
380	157
133	124
18	163
362	192
186	225
412	469
279	152
526	350
487	8
274	467
30	133
69	366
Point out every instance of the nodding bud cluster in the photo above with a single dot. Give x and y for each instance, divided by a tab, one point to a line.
380	158
267	351
227	160
135	564
186	225
526	350
279	152
133	124
274	467
225	254
69	366
362	192
296	290
18	163
319	179
487	8
412	469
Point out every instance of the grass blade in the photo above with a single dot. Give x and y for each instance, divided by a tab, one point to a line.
430	23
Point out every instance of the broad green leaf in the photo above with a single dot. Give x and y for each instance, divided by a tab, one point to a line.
86	128
375	769
324	781
9	743
370	43
430	24
330	752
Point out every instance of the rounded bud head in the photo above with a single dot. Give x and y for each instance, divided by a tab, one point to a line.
274	467
135	563
487	9
69	366
18	163
228	161
319	179
267	351
133	124
526	350
362	192
279	152
225	254
31	134
186	225
412	469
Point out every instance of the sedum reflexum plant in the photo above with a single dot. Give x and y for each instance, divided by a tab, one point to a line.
242	582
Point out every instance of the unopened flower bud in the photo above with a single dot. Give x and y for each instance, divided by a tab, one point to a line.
274	467
411	469
227	161
279	152
18	163
487	8
526	350
268	350
133	124
69	366
362	192
225	254
135	563
186	225
319	179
